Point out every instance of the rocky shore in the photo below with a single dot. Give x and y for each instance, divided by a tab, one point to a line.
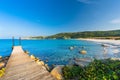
3	61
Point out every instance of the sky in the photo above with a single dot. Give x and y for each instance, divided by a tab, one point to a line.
48	17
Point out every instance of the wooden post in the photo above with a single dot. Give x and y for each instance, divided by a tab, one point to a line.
19	40
13	42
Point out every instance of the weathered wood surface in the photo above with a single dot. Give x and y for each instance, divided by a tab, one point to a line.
21	67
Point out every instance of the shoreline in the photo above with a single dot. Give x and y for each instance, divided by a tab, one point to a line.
106	41
114	44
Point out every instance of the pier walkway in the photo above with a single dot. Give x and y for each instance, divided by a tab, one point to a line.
21	67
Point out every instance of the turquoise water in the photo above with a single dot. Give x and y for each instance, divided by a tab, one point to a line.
57	51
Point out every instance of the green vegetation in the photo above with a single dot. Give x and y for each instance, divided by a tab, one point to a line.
96	70
86	34
38	37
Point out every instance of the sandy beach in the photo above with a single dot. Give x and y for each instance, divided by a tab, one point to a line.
115	42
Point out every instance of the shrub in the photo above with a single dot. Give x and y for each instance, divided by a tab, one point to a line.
96	70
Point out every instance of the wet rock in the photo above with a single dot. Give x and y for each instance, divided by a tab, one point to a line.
3	61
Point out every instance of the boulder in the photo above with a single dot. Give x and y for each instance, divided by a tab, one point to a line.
47	67
40	63
2	64
82	61
32	57
0	57
83	52
57	72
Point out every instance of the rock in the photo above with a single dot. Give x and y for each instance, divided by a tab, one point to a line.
46	65
26	52
0	57
71	48
83	47
105	45
36	59
40	63
83	52
53	65
6	58
43	67
1	60
2	64
32	57
57	72
82	61
46	60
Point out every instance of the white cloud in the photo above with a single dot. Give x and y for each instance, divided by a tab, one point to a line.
85	1
115	21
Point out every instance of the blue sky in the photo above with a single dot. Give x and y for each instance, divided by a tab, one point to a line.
47	17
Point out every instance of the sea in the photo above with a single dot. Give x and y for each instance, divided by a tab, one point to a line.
58	52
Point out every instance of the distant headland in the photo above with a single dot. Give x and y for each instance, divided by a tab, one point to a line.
111	34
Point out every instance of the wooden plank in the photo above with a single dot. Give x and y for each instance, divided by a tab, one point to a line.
21	67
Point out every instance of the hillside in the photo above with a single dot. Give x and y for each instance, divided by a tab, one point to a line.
86	34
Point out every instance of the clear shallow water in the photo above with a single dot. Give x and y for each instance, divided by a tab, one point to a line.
57	51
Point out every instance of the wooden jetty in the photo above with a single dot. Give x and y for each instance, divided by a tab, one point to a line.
21	67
